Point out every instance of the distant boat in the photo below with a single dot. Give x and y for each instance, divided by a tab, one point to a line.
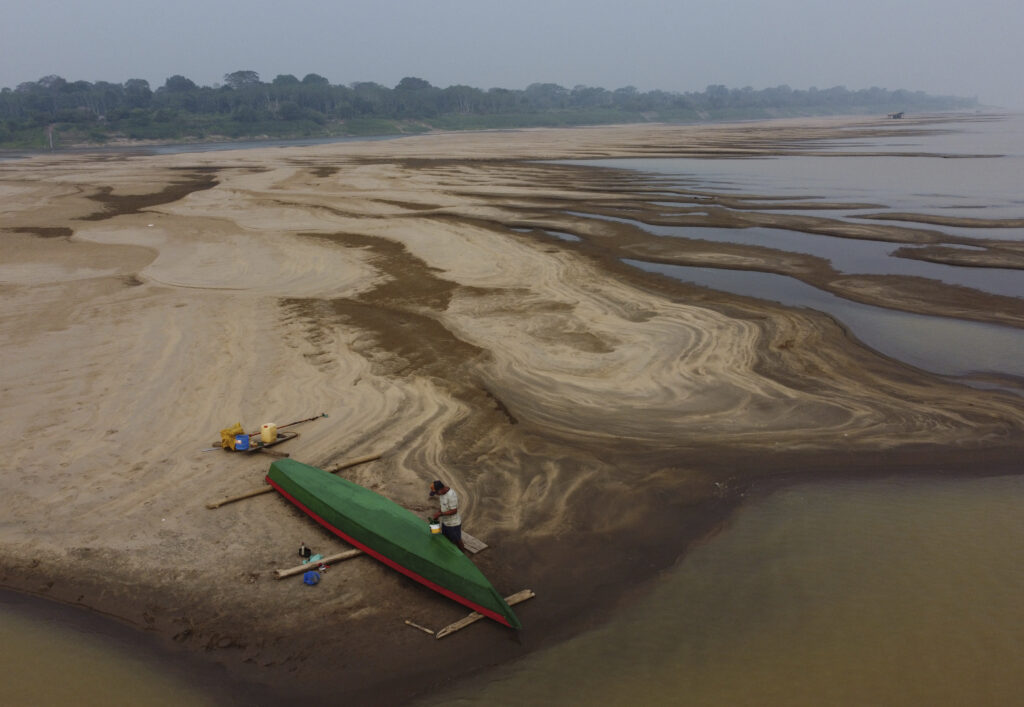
395	536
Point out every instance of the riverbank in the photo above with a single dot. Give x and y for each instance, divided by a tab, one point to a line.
418	292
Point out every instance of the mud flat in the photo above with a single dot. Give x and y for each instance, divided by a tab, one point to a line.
595	420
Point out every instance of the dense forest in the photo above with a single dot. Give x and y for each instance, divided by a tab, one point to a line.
53	112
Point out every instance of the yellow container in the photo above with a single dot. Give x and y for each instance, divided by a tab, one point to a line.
435	528
268	433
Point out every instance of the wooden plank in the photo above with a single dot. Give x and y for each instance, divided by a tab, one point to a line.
268	488
472	544
340	557
516	598
354	462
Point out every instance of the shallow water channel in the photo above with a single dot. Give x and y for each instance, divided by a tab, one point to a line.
941	345
976	172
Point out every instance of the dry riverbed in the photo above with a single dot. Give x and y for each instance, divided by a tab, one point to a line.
595	420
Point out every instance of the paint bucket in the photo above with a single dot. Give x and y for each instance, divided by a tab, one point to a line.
435	528
268	433
241	442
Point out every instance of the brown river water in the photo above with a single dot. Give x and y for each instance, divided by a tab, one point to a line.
51	654
893	592
901	591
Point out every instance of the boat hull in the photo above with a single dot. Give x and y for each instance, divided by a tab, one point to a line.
389	533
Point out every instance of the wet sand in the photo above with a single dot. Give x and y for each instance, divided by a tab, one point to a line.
594	419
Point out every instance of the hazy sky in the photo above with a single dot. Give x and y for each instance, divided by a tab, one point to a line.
961	47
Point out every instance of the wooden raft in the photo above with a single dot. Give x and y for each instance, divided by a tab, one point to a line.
472	544
256	444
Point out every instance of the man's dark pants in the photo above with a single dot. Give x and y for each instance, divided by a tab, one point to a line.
453	533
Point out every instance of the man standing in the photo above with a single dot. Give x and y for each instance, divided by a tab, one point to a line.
451	521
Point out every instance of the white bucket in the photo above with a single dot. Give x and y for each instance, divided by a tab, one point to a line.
435	528
268	433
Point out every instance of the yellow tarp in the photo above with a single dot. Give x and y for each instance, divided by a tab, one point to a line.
227	436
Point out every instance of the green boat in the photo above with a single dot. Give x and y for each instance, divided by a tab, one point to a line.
386	531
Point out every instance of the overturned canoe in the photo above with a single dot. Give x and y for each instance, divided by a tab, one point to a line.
395	536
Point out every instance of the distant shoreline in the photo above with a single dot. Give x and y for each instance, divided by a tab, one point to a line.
398	129
51	110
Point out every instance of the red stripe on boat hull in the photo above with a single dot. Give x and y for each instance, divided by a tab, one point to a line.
391	563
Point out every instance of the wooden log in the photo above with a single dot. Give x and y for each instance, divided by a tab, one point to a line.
354	462
421	628
516	598
268	488
341	556
248	494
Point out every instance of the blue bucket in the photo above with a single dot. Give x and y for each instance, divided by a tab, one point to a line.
241	442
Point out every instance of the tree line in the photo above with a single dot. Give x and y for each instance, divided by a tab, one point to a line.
287	106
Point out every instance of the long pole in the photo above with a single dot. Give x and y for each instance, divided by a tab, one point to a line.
297	422
267	488
308	419
281	574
